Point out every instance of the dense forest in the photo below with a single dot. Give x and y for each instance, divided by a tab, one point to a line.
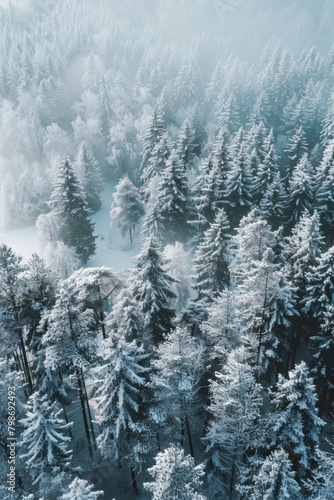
206	370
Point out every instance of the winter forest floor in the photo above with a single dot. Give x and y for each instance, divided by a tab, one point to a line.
112	250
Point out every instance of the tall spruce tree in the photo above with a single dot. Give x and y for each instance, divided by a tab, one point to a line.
294	424
175	476
173	204
44	441
127	208
152	289
212	259
68	203
235	403
301	190
90	174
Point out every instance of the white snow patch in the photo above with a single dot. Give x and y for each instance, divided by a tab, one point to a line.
112	250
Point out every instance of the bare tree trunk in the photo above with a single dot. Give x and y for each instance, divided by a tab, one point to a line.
190	438
24	354
88	408
83	411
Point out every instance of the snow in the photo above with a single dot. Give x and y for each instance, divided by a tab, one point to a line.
112	250
23	241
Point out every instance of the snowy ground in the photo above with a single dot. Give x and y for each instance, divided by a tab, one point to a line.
112	250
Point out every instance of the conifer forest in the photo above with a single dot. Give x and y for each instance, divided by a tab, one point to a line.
167	249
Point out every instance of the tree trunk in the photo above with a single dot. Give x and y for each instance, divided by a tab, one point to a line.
88	408
103	328
134	481
130	233
24	354
83	410
190	438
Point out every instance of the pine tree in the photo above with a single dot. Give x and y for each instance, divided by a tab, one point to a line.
120	391
208	195
267	303
152	289
268	168
324	197
155	132
254	237
68	203
297	148
186	145
68	341
156	164
272	479
212	259
301	190
235	404
13	316
39	295
220	154
44	439
127	208
274	204
70	346
237	196
177	370
300	252
90	174
294	423
173	212
80	489
175	476
222	328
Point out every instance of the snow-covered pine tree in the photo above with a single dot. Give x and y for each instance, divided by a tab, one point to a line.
177	370
127	208
274	204
268	169
294	423
237	195
90	174
44	442
220	154
296	149
154	133
175	476
273	478
12	288
120	395
254	236
186	145
68	203
324	196
70	346
69	341
222	328
208	195
301	190
39	294
152	289
179	267
173	205
267	303
155	165
300	252
80	489
235	404
212	259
